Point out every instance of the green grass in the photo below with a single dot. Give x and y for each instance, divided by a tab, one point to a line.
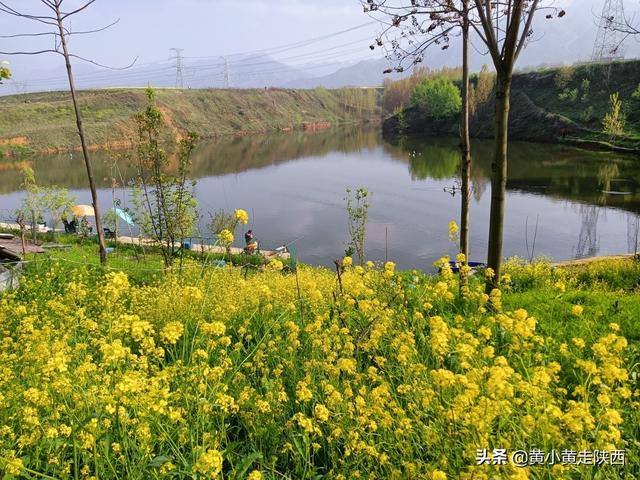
142	265
608	288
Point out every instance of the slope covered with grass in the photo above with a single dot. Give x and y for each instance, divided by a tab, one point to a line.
566	104
45	121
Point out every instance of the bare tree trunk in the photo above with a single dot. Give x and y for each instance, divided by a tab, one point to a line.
34	227
499	177
85	150
464	133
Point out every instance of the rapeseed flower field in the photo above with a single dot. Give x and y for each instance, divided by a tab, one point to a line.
370	374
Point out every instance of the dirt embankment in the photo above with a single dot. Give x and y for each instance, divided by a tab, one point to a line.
44	122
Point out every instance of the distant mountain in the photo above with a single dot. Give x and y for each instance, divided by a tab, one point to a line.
367	73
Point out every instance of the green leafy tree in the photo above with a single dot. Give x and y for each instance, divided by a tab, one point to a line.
39	201
358	216
614	120
33	205
438	98
165	204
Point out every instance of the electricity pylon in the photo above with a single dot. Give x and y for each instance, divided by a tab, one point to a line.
610	37
179	66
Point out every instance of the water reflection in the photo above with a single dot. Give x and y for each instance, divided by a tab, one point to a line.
293	184
588	244
210	158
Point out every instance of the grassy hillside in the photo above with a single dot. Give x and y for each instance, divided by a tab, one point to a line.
564	104
45	121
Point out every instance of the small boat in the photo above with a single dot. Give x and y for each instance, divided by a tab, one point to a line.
455	266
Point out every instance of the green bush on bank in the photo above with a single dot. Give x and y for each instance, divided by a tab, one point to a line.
437	98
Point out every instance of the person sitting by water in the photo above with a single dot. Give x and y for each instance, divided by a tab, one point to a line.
70	226
251	244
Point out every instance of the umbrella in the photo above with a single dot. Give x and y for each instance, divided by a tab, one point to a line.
124	216
83	211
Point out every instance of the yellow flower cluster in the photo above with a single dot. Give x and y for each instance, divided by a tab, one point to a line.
382	374
241	216
226	237
453	230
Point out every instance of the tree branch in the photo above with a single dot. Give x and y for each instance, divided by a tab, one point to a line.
78	10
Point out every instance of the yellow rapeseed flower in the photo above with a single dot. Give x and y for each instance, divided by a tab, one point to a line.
255	475
209	464
321	412
453	230
276	265
242	216
226	237
14	466
438	475
172	332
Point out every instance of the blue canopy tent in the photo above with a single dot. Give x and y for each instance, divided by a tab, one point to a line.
124	216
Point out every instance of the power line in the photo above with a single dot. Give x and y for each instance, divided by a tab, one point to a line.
325	55
272	51
221	72
292	46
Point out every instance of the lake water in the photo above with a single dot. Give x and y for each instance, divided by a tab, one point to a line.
293	186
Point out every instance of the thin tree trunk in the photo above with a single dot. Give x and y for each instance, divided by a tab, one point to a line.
499	177
464	133
23	241
85	150
34	227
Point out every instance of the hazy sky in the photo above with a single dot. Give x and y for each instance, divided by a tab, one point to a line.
149	28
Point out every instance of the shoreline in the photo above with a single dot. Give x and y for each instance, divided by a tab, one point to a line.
599	258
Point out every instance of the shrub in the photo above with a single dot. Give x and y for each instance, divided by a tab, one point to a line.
568	95
633	106
438	98
614	121
397	93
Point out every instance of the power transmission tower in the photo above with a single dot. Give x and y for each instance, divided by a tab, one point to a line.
610	35
179	66
227	75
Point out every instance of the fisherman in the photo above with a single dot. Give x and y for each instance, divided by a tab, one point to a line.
251	244
70	226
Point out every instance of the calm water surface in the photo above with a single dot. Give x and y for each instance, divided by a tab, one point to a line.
294	186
